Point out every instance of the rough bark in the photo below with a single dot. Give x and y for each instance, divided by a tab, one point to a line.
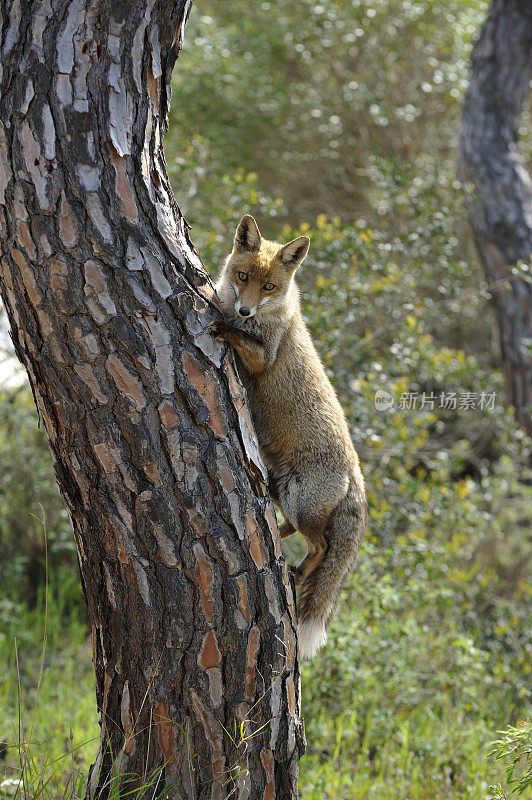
500	203
190	604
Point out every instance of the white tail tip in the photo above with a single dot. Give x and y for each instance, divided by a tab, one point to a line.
311	635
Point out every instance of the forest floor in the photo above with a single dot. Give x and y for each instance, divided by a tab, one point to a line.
49	726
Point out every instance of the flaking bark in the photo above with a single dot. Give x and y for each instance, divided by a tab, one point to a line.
500	206
189	600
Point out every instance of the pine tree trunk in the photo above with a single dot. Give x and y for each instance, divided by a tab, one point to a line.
189	600
501	193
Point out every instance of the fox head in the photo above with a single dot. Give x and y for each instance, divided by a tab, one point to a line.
257	277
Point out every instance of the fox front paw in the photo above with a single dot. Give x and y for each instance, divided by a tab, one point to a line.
219	329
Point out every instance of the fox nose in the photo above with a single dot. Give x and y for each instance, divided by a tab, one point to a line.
244	311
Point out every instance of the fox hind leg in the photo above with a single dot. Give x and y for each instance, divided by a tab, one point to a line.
301	515
286	529
316	550
332	519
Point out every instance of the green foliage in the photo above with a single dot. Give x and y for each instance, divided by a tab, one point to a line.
27	491
515	750
303	92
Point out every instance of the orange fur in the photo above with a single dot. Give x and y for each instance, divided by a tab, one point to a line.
313	470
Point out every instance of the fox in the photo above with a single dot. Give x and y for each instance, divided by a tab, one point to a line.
314	476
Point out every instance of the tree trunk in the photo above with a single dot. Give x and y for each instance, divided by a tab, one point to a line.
189	600
500	203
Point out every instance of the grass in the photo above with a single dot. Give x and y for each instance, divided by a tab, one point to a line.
427	756
399	710
48	723
48	720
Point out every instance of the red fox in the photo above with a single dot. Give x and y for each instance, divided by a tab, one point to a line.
313	471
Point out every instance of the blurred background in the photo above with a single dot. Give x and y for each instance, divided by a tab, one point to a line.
338	120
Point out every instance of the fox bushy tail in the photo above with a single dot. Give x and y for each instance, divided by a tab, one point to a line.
320	589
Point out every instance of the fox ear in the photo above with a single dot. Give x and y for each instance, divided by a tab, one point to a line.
247	236
293	253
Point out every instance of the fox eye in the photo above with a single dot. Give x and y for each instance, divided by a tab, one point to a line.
243	276
269	287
